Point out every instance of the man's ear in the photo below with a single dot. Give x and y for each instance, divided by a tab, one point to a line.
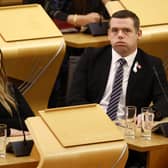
108	34
139	33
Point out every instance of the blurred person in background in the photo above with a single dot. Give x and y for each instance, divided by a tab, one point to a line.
78	13
13	107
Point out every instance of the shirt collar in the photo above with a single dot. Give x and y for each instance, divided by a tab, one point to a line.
130	58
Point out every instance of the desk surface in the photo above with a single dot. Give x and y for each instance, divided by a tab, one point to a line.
157	145
18	162
155	12
80	40
11	161
156	149
139	144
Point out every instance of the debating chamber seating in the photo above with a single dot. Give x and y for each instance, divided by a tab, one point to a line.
76	136
33	50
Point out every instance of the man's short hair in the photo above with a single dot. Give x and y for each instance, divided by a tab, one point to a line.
127	14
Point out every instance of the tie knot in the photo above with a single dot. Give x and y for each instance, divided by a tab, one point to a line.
122	61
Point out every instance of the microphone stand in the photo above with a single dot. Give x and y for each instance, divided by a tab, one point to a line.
20	148
162	128
160	84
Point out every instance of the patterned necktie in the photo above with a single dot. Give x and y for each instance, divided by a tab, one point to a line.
116	91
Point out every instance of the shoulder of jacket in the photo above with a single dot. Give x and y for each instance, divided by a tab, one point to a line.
148	56
98	51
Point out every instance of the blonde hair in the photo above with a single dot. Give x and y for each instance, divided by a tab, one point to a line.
6	99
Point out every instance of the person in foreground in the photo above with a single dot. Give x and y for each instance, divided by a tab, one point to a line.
13	107
143	76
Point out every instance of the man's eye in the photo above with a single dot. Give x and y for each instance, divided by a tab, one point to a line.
126	30
114	30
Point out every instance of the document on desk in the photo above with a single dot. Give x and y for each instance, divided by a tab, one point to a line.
65	27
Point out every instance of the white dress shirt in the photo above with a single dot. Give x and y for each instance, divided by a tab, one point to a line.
127	67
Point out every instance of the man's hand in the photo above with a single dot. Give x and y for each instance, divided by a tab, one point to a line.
15	132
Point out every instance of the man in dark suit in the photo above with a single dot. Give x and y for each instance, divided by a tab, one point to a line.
144	78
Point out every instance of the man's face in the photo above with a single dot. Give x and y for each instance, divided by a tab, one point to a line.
123	35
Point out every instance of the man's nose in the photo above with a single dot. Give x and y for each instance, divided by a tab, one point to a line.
120	33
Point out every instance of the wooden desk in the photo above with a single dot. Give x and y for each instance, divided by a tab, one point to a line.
156	148
18	162
154	34
81	40
155	12
77	145
11	161
31	57
10	2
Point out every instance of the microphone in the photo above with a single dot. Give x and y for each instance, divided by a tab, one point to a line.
162	128
160	83
20	148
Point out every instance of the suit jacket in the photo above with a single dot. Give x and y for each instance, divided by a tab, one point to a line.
144	87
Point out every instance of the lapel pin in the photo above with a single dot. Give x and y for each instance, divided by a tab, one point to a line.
136	67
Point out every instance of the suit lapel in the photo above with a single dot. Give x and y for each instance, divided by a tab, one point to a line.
136	71
104	70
